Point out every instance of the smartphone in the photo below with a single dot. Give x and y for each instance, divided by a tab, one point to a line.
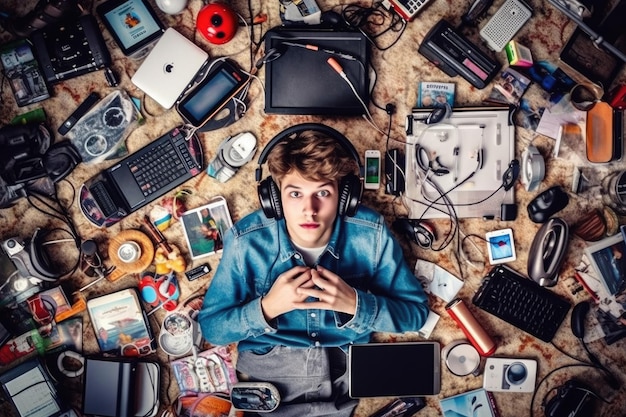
500	246
132	23
372	169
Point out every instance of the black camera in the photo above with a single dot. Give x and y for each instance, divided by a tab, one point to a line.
31	260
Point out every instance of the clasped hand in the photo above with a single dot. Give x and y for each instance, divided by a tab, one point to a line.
292	289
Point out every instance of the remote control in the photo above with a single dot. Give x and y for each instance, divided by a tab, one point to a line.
198	272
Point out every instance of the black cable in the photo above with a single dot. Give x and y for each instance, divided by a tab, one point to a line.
360	17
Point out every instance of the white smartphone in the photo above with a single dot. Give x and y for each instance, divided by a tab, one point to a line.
500	246
372	169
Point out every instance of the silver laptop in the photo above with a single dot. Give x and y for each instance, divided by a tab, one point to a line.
169	68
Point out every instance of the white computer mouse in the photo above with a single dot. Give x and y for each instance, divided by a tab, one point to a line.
172	6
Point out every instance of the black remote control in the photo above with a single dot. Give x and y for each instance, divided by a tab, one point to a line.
78	113
198	272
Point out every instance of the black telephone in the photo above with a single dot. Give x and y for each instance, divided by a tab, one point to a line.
71	49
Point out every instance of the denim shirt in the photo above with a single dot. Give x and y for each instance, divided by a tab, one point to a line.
361	251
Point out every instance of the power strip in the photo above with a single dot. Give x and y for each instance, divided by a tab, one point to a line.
505	23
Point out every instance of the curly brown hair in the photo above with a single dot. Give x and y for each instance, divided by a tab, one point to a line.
314	155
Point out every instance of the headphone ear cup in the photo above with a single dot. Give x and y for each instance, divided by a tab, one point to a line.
350	196
269	197
39	257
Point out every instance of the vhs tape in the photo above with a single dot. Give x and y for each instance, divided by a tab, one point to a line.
456	55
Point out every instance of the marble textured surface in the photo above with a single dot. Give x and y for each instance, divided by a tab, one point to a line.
398	69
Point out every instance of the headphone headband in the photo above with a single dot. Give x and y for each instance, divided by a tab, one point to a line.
350	189
318	127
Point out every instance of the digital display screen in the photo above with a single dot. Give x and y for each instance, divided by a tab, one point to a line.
132	23
394	369
210	95
372	170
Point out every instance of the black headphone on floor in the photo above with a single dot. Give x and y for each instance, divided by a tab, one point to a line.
351	187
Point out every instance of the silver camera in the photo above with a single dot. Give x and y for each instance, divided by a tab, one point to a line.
510	374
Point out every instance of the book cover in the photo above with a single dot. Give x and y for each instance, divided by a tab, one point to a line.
508	87
433	94
120	324
476	403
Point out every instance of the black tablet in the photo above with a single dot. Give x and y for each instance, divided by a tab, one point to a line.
402	369
132	23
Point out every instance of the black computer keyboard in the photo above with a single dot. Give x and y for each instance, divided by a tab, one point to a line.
521	302
160	166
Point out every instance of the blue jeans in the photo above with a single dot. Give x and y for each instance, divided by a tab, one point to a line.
311	381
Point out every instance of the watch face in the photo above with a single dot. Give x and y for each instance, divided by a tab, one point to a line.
113	117
96	145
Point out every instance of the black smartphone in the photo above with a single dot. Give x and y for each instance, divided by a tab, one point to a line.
132	23
223	81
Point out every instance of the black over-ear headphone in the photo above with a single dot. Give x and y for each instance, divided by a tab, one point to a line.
350	189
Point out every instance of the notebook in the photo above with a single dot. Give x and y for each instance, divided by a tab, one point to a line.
169	68
141	178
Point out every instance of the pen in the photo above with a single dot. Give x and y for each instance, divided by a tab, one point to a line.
317	48
456	163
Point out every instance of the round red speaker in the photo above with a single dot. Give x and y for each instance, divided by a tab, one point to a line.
217	22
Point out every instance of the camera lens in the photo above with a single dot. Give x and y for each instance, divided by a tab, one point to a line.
516	373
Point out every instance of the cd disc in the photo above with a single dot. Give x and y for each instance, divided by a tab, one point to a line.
462	359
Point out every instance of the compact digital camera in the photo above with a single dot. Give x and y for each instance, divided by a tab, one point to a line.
510	374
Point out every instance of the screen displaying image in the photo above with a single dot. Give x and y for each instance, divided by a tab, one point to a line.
501	247
211	94
132	22
372	170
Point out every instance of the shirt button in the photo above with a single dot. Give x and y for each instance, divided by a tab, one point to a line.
312	314
267	330
313	334
317	344
297	256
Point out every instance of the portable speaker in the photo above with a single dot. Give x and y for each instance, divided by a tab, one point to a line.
351	187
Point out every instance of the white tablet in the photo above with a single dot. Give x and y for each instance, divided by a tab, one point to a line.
500	246
402	369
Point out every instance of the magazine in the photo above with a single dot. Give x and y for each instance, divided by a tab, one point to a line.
508	87
120	324
205	226
433	94
602	273
476	403
211	370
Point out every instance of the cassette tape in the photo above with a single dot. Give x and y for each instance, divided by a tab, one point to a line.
456	55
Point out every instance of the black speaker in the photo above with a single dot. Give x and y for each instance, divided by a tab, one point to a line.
351	187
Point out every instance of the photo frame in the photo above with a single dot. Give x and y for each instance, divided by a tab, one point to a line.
204	227
608	259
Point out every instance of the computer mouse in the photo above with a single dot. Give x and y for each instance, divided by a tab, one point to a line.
547	252
579	313
549	202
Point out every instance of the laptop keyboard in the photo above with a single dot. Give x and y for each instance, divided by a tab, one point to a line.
521	302
160	166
